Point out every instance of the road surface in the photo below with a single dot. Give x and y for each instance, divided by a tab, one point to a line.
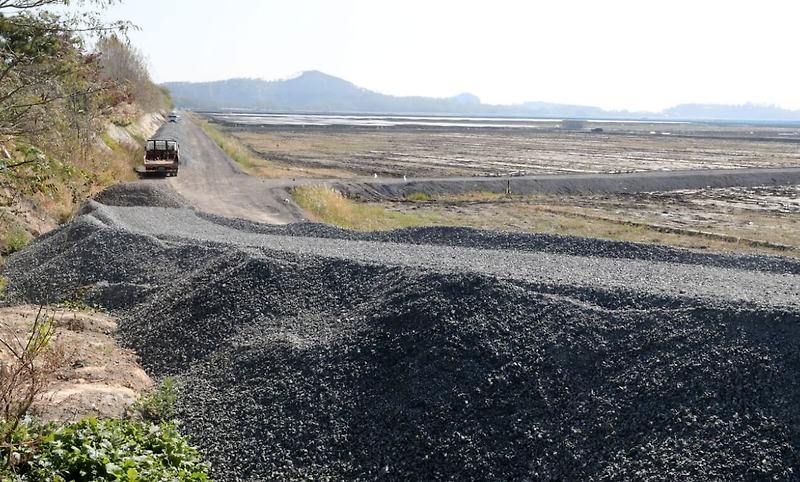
211	181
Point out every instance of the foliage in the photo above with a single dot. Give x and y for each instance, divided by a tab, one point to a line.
77	300
99	450
13	241
126	68
419	196
30	365
3	287
46	78
328	205
158	406
57	98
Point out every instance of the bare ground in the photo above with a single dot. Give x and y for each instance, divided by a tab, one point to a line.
761	219
98	377
396	152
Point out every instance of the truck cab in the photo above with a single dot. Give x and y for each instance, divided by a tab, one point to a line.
161	156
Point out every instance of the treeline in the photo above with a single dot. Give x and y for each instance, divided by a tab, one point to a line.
49	76
65	77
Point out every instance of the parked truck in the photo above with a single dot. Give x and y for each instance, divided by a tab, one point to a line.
161	156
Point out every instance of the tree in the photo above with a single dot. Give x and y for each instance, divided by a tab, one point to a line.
42	60
125	67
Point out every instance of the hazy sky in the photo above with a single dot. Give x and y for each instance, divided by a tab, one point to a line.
616	54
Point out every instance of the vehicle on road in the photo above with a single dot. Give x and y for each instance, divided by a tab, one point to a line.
161	156
173	116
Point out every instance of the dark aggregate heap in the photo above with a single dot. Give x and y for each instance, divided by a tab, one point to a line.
307	368
141	194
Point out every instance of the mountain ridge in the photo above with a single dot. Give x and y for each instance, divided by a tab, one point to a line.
318	92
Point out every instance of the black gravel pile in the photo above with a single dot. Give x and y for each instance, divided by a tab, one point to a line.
141	194
311	368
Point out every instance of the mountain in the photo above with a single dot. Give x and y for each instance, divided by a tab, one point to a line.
310	92
318	92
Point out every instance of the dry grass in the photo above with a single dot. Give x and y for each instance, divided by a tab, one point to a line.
532	214
325	204
255	165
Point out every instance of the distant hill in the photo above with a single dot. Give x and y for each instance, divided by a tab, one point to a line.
318	92
310	92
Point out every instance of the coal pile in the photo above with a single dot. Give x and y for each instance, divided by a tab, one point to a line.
317	368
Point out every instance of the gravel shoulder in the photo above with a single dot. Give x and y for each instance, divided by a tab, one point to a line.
779	290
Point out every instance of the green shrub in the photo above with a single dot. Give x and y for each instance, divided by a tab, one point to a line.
101	450
13	241
418	196
158	406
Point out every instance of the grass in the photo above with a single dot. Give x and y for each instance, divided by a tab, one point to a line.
242	155
533	214
238	152
325	204
418	196
13	240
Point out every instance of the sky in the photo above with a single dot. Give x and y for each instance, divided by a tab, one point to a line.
615	54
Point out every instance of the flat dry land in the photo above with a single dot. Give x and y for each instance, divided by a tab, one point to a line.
732	219
435	152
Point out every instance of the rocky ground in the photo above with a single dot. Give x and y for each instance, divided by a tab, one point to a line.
308	353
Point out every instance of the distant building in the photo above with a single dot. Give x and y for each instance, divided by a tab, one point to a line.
573	124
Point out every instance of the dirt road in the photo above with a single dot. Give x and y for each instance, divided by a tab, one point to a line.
213	183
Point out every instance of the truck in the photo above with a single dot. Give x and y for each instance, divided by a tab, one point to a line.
161	156
173	116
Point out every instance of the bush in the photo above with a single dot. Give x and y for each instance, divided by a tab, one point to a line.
158	406
14	241
102	450
418	196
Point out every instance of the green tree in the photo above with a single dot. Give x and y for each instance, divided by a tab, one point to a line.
42	61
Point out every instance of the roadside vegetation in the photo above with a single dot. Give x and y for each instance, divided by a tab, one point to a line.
146	445
327	205
69	113
236	150
617	218
257	165
71	123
